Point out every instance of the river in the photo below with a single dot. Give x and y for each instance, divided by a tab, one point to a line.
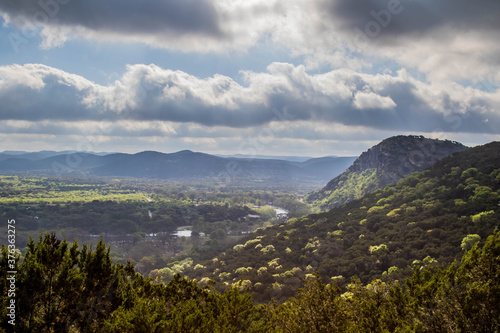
185	231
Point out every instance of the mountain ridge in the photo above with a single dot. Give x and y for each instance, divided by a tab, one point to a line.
184	164
381	165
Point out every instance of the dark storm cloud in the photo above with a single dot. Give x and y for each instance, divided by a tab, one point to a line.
416	17
55	101
121	16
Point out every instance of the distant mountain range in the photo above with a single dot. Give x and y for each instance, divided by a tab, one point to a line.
271	157
177	166
383	164
7	154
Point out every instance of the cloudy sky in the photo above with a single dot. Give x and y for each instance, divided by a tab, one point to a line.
294	77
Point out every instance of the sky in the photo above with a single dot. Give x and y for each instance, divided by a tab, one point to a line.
254	77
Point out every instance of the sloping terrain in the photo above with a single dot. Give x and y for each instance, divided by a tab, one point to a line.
382	165
427	218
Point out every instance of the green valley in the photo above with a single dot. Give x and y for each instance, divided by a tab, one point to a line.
152	255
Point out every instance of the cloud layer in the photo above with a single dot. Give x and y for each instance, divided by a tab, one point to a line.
283	93
448	39
375	67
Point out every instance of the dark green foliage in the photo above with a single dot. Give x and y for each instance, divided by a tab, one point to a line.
317	308
59	285
63	288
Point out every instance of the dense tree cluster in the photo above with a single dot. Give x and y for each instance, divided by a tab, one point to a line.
63	287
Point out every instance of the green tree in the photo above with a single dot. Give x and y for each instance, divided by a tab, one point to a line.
469	241
479	274
317	308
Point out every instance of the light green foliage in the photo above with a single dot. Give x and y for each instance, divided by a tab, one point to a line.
238	247
484	193
262	270
273	263
394	213
392	269
376	209
416	263
312	244
164	275
469	241
378	249
242	285
243	270
268	249
35	190
429	261
411	210
352	185
277	286
287	274
336	233
471	172
478	217
251	242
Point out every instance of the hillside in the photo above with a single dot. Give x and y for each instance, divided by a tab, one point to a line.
382	165
427	218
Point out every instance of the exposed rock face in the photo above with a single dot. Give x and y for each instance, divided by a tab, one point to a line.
382	165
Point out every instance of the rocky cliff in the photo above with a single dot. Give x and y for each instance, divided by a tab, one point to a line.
382	165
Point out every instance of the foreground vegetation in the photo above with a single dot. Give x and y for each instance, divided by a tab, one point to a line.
63	287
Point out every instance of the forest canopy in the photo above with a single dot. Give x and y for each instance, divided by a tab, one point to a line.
65	287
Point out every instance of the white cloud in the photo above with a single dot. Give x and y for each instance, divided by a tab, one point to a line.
369	100
285	92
